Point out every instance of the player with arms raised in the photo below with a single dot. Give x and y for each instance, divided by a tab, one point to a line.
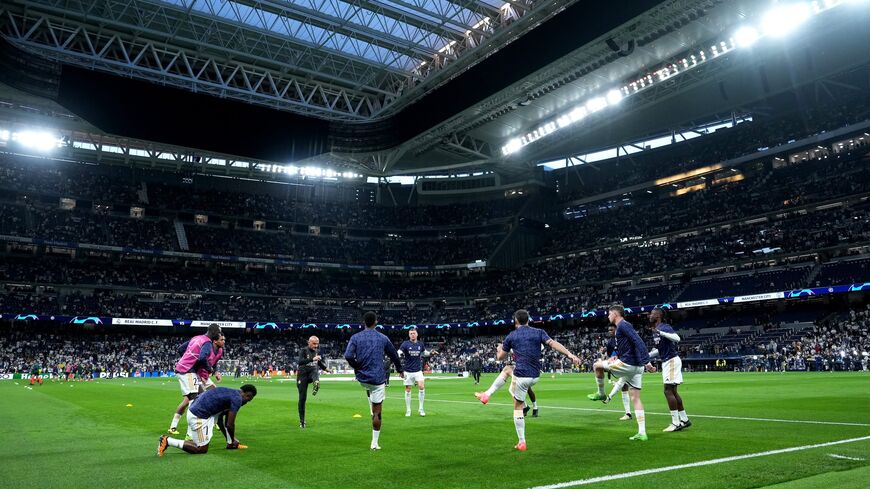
633	358
413	350
525	341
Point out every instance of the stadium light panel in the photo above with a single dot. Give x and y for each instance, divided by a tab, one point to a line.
40	141
614	97
781	21
596	104
746	36
4	135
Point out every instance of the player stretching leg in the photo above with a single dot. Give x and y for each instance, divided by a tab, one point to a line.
610	352
413	351
507	372
525	342
628	368
666	340
365	353
202	415
308	372
194	357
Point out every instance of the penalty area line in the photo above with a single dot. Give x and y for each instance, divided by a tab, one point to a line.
708	416
715	461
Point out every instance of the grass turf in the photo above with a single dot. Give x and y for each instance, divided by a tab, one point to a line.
84	435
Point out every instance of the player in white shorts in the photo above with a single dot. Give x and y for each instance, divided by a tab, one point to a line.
666	339
413	351
633	359
507	372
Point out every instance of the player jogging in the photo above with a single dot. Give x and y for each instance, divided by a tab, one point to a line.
194	357
633	358
202	415
412	350
666	339
525	341
308	372
365	353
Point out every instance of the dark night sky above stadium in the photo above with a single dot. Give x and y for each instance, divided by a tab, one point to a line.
148	111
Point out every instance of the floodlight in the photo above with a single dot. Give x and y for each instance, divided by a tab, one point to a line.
596	104
782	20
746	36
40	141
614	97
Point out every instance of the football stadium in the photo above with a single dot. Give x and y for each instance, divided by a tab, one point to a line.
435	243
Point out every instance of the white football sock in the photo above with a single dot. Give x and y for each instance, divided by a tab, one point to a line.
408	402
641	421
375	436
175	443
675	418
600	383
535	405
496	385
421	396
175	421
683	416
616	388
520	424
626	402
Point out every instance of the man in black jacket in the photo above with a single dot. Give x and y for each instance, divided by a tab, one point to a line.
475	365
308	372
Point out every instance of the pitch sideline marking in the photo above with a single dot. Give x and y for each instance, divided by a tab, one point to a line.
637	473
736	418
843	457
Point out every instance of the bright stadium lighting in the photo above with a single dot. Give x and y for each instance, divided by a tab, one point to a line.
596	104
4	135
40	141
782	20
578	114
614	97
512	146
746	36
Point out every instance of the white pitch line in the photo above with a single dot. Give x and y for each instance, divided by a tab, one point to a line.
843	457
736	418
626	475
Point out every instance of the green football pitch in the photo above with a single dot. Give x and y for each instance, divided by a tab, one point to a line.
750	430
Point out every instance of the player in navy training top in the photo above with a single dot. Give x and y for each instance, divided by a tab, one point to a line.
201	417
665	340
365	353
633	359
611	352
413	349
525	343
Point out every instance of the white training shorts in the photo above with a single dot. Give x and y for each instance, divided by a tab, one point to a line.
632	374
672	371
412	378
199	429
189	383
520	387
207	383
376	392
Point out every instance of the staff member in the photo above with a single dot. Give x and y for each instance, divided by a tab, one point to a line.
308	372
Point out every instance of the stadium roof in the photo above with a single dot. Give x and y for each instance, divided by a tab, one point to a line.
391	87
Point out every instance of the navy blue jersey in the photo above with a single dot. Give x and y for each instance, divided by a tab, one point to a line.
365	353
526	342
630	347
413	355
611	348
215	401
667	348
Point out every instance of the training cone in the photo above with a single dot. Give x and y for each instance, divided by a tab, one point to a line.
357	415
129	405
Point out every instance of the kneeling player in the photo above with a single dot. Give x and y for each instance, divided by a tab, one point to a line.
203	414
628	368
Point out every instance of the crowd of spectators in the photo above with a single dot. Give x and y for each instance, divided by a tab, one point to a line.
838	343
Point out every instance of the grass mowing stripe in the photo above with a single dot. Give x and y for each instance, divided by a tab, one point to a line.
710	416
703	463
